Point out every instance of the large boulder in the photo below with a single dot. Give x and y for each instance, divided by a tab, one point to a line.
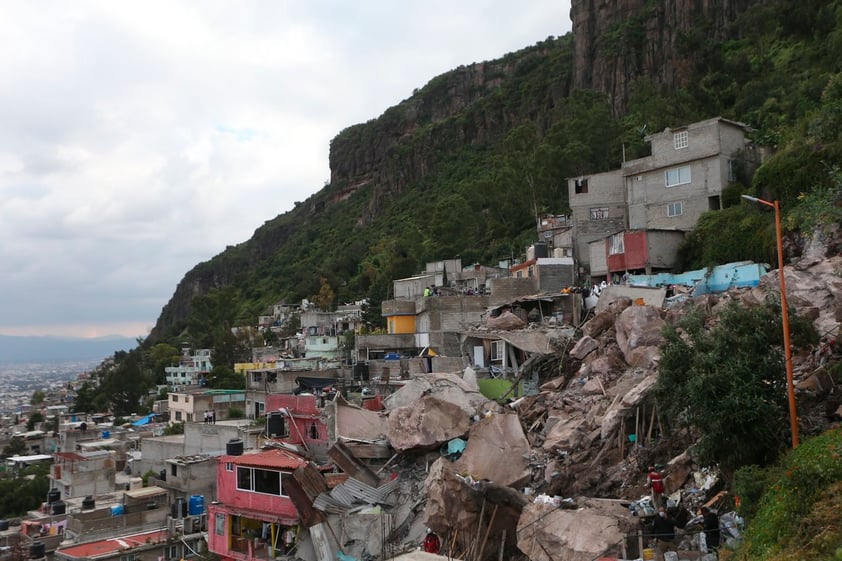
497	451
565	434
426	423
638	326
445	387
583	347
548	533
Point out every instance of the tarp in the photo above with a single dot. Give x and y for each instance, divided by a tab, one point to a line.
305	383
144	420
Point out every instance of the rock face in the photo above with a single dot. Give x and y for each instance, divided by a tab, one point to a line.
616	42
426	423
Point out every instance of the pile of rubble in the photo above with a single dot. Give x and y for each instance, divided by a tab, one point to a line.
555	475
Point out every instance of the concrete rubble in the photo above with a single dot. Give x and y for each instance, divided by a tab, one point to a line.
590	432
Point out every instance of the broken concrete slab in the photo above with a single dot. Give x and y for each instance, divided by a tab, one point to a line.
498	451
547	533
356	423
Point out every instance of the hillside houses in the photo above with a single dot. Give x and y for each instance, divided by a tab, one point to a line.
644	209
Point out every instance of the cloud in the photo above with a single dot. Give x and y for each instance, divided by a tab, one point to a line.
140	139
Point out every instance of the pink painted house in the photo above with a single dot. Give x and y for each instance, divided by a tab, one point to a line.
298	421
253	516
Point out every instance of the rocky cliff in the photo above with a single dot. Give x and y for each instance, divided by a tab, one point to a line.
617	42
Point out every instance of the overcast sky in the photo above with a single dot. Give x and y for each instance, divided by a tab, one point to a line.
139	139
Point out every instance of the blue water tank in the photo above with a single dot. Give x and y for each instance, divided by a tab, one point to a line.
105	434
196	505
116	510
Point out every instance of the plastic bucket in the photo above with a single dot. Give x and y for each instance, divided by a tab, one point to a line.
648	555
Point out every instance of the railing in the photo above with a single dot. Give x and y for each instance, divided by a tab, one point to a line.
645	539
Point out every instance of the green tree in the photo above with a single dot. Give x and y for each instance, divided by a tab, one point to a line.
223	377
727	381
326	297
37	398
15	447
35	418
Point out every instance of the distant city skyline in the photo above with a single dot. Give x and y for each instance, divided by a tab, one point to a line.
142	139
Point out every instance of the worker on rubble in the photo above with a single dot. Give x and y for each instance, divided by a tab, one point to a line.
663	530
711	524
431	543
656	482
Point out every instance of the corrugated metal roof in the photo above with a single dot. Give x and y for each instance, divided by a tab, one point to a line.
112	546
353	492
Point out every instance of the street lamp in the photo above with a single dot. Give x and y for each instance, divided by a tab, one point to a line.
790	386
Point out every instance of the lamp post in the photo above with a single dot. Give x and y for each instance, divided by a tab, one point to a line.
790	386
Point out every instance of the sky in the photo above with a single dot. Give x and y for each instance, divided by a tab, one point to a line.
138	139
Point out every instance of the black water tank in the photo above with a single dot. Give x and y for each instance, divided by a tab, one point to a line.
275	424
4	525
88	502
179	508
53	496
162	475
37	550
361	371
234	447
58	507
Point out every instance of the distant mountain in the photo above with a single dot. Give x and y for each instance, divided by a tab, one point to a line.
56	349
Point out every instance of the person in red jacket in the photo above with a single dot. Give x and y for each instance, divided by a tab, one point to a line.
431	544
656	482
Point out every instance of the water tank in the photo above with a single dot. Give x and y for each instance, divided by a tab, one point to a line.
116	510
196	505
275	424
540	250
88	502
162	475
179	508
58	507
106	434
361	371
37	550
53	496
4	525
234	447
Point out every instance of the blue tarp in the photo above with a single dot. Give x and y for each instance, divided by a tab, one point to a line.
144	420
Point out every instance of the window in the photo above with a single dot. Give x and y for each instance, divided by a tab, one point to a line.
599	213
258	376
680	140
675	209
497	350
260	481
229	466
732	171
173	469
677	176
616	244
172	552
219	524
581	186
178	415
174	398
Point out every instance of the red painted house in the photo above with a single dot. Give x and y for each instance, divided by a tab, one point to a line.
642	251
253	517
